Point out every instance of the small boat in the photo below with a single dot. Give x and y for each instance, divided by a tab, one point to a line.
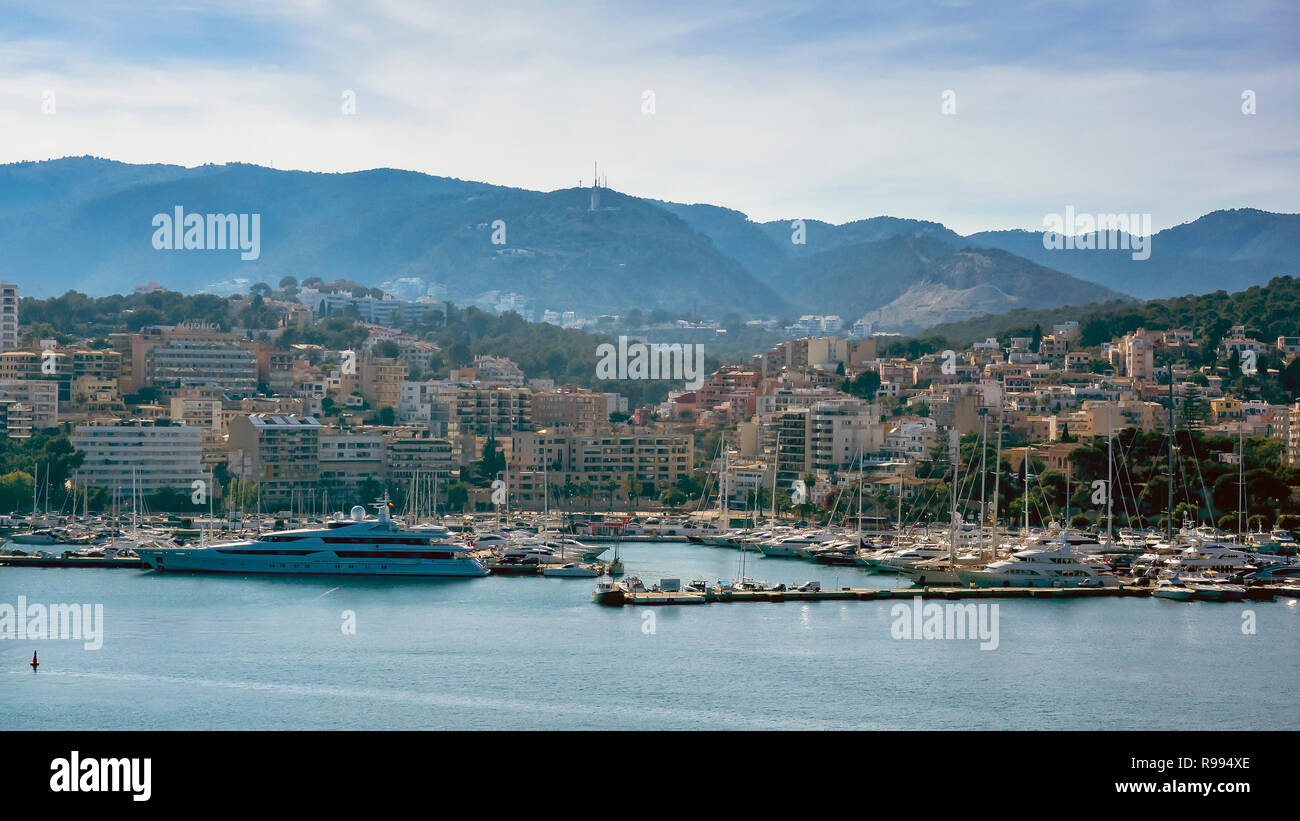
615	593
1274	574
1174	590
572	570
609	593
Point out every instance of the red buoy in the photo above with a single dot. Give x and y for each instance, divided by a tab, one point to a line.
34	662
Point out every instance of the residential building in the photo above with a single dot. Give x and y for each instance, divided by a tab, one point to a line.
147	457
281	454
8	316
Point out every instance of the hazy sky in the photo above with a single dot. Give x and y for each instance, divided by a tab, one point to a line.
779	109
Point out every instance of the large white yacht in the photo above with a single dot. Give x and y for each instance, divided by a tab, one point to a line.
1214	556
369	546
1055	566
793	545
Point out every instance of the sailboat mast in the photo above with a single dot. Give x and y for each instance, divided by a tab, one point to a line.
899	526
1110	461
984	451
1026	497
1169	519
997	468
1241	477
858	546
954	448
776	461
722	484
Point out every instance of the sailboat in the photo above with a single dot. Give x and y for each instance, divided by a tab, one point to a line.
616	566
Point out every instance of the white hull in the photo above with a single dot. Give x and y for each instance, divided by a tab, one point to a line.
571	572
988	578
323	563
931	576
780	552
33	538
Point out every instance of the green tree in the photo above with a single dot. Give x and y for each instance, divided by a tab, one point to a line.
457	496
865	385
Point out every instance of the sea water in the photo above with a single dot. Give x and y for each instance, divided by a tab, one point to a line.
278	652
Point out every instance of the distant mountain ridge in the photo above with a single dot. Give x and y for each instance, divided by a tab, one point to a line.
85	223
1231	250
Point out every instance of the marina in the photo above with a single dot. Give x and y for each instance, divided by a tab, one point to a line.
195	651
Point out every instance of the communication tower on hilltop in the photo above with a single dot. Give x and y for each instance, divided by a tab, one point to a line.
595	187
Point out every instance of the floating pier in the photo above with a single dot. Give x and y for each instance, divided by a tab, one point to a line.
60	561
656	597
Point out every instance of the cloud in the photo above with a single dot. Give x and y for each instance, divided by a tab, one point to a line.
813	110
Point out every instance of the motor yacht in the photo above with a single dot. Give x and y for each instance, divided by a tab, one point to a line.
1053	566
361	545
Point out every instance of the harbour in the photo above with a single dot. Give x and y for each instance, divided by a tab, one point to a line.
184	651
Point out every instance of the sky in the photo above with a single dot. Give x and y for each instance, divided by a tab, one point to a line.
781	110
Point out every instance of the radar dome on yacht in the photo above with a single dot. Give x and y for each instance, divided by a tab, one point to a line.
358	513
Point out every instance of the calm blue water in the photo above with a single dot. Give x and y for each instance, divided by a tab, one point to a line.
214	652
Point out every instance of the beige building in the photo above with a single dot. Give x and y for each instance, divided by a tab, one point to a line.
207	416
650	457
281	454
580	411
418	452
8	316
178	357
381	381
40	396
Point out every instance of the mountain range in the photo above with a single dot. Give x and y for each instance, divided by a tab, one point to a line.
86	223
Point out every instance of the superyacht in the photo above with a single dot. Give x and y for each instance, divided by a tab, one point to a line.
362	545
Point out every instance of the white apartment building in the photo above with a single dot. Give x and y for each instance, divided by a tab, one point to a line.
349	459
911	440
1293	436
427	403
196	359
150	456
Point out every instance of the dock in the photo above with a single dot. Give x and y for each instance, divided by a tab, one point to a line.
60	561
651	598
657	598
